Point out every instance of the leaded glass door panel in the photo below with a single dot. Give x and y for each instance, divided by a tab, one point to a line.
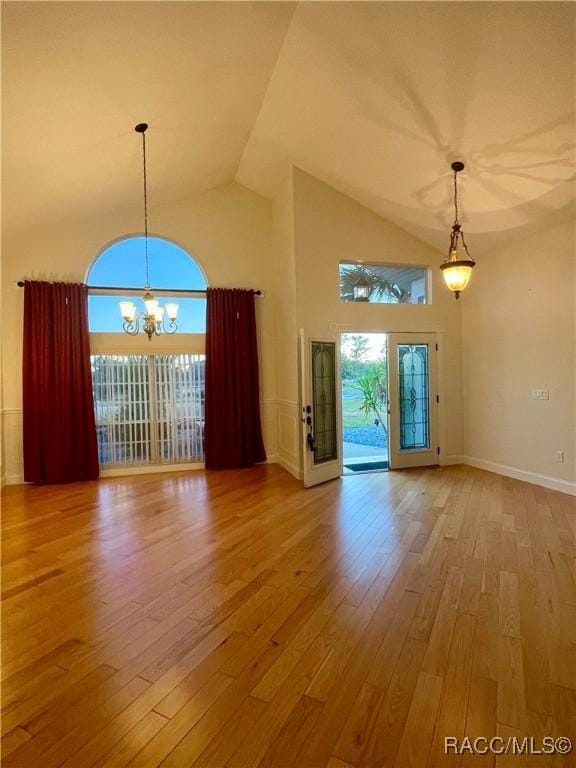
413	400
320	408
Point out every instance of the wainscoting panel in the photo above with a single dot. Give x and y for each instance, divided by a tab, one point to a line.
269	419
289	437
281	429
13	469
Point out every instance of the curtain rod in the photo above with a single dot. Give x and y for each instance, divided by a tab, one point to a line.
119	290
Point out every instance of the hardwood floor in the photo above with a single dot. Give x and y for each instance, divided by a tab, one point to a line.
211	619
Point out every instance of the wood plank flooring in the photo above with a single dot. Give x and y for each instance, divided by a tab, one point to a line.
236	619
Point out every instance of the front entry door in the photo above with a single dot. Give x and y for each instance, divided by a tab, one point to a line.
320	408
412	384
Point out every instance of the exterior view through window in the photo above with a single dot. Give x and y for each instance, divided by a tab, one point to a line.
364	371
122	265
149	408
383	283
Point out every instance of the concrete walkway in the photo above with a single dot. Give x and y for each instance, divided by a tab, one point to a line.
355	454
363	452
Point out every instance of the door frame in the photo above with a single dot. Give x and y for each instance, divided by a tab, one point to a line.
341	328
342	332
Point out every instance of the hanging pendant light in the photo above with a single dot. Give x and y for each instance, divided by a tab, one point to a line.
153	318
361	289
457	268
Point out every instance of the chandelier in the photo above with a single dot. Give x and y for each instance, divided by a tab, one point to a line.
457	269
153	318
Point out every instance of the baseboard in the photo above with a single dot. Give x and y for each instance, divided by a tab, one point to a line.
14	480
150	469
159	468
555	484
293	469
564	486
449	461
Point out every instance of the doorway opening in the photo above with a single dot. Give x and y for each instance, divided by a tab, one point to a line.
365	420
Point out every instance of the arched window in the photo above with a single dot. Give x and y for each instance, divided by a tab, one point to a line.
148	396
122	265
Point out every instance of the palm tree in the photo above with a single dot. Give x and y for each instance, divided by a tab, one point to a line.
379	287
374	394
359	345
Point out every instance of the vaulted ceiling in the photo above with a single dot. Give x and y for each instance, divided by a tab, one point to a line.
374	98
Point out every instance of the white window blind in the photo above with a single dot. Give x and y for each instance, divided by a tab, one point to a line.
149	408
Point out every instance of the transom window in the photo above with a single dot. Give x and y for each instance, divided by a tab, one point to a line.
122	265
383	283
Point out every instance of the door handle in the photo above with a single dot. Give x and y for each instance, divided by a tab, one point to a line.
310	436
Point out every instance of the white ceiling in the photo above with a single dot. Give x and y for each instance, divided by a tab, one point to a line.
77	77
374	98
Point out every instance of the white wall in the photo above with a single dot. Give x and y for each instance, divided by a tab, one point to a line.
331	227
518	335
227	230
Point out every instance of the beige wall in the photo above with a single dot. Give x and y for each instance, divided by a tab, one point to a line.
515	333
227	230
331	227
518	335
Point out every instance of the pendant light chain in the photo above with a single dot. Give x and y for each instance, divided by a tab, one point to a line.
464	244
147	285
460	233
456	198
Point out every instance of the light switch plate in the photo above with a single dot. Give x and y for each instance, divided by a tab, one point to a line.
540	394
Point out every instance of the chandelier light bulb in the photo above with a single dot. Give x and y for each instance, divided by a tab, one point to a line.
127	310
172	311
151	303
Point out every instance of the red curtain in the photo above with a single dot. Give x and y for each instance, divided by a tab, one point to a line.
59	430
233	433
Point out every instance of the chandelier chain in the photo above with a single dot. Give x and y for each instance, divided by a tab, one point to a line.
153	319
147	285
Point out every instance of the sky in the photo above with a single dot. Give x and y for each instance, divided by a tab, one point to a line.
375	343
122	264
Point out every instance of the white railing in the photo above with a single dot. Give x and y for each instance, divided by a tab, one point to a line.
149	408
